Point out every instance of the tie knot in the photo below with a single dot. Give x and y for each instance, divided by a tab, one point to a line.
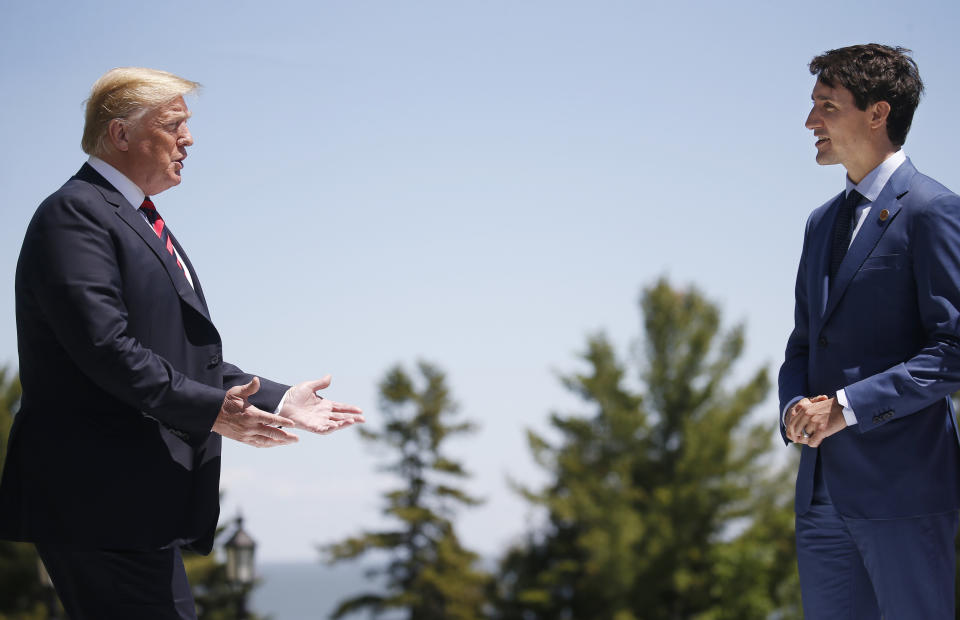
854	198
148	208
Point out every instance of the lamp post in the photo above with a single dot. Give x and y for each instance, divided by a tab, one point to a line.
240	574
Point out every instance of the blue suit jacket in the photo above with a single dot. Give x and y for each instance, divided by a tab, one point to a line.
123	377
887	329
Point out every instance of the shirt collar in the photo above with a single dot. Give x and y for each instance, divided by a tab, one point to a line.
872	184
127	188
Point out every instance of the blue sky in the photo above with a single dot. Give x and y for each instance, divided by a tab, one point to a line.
478	184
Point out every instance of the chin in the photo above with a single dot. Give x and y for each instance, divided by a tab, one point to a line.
825	160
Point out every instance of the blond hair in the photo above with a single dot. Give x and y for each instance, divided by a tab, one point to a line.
126	93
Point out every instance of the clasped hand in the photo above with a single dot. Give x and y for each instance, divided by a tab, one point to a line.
302	408
820	417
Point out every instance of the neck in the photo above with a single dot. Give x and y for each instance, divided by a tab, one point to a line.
118	162
871	160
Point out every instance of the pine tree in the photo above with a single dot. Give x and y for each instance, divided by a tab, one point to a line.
429	574
660	504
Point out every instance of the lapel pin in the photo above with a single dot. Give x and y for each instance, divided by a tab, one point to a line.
884	215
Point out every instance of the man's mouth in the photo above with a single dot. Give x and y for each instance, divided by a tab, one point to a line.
821	140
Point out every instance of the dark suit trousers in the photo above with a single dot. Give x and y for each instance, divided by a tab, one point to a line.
861	568
120	585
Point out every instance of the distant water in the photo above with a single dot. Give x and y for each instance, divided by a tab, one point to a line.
308	590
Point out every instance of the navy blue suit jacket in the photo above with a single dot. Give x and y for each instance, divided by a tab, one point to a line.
887	329
123	377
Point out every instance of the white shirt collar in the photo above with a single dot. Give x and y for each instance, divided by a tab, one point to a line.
872	184
127	188
134	195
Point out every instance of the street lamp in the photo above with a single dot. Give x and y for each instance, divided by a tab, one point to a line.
240	574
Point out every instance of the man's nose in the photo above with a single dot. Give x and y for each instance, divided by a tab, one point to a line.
813	121
186	138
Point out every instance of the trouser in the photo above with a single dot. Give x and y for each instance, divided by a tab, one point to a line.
120	585
902	569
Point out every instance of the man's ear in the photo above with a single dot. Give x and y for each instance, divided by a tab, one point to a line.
880	111
118	132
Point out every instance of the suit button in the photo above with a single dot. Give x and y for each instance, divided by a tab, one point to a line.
214	361
823	341
876	419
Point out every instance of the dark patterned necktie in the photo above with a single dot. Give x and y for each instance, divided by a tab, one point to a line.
842	230
153	216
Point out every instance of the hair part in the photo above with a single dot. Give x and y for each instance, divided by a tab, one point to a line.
126	93
874	73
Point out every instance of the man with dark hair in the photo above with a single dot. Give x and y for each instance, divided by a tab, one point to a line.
874	356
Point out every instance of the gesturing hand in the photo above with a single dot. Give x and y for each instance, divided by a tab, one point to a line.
241	421
318	415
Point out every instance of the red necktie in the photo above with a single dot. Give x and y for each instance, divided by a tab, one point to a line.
153	216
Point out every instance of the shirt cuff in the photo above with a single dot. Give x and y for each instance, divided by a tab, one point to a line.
848	414
786	410
282	400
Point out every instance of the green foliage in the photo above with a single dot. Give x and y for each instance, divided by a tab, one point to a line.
429	574
660	505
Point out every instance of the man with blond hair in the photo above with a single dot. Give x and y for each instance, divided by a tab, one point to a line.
114	456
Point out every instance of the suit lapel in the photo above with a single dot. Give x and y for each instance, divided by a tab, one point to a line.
179	281
193	272
134	220
822	266
870	233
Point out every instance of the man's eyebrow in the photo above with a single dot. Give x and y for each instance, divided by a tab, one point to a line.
177	115
821	98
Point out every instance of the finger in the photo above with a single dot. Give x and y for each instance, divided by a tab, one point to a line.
817	399
347	421
318	384
263	441
252	415
246	390
799	409
330	427
345	408
795	417
277	433
341	417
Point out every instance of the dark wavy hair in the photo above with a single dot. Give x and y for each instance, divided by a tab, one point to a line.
873	73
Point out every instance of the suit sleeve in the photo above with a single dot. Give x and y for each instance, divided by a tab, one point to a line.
934	371
267	397
792	381
70	259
